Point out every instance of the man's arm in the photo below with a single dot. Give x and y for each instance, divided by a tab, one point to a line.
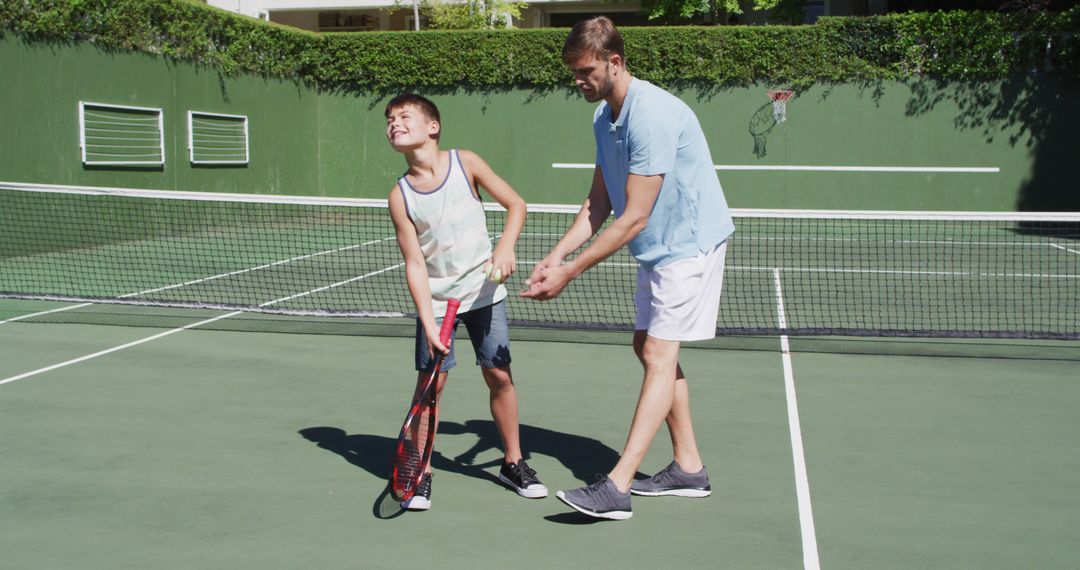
641	194
594	210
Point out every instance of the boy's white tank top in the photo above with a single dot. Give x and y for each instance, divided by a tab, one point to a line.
452	230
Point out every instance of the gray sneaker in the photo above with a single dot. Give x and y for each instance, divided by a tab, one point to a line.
602	500
672	480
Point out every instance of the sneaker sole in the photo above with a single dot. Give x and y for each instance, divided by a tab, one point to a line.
693	493
416	504
527	493
611	515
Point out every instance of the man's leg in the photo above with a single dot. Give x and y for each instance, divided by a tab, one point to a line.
655	404
678	420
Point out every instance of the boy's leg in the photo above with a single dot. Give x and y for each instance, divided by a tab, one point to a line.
489	332
502	399
490	335
514	473
421	501
424	366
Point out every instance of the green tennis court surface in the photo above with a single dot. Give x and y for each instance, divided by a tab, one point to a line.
222	449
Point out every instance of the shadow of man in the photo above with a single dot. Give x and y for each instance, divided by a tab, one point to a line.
583	456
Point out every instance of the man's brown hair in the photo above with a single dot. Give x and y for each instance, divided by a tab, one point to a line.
595	36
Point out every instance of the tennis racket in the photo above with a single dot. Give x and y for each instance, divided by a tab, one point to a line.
413	451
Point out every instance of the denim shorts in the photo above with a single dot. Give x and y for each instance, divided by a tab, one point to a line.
488	331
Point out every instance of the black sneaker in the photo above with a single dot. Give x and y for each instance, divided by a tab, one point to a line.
421	501
522	479
602	500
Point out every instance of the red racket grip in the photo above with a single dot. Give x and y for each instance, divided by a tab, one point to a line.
448	321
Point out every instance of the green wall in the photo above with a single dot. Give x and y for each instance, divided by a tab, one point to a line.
332	144
45	82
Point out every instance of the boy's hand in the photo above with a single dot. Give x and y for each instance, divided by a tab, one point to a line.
434	344
500	267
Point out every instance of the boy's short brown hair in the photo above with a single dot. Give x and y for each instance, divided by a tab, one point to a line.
420	102
595	36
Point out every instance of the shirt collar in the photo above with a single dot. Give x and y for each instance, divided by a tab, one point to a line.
631	92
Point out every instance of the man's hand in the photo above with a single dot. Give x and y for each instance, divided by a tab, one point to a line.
547	281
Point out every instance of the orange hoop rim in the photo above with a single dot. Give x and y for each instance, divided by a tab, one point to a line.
780	94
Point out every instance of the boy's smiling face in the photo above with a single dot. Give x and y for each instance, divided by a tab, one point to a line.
408	127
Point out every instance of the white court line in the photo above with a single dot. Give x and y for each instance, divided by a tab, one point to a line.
1065	248
634	265
190	326
1034	245
113	349
39	313
802	482
258	267
813	168
211	278
909	272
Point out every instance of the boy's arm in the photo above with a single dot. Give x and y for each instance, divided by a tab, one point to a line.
502	257
416	274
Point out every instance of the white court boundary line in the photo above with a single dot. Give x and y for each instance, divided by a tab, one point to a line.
1070	250
802	482
40	313
113	349
183	328
822	168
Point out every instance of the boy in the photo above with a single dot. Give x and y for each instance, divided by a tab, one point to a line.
442	232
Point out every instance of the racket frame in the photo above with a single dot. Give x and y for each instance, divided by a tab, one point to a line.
426	396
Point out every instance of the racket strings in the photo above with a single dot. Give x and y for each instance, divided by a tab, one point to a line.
414	451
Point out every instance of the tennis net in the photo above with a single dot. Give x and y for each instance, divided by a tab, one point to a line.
788	272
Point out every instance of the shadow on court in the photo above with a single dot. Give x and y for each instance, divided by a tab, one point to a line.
584	457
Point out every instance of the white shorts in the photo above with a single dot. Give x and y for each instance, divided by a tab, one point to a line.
680	300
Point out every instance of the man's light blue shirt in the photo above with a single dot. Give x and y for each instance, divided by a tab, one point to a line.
657	134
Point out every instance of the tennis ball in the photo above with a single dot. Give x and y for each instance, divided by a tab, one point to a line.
497	277
487	270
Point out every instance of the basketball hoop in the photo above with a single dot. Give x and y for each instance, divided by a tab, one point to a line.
779	99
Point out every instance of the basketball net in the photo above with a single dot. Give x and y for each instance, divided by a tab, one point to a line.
779	98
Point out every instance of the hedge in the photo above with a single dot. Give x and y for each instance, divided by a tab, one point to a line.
959	45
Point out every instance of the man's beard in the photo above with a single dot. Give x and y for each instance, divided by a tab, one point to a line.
601	92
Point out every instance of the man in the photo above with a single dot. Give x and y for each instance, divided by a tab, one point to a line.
655	172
